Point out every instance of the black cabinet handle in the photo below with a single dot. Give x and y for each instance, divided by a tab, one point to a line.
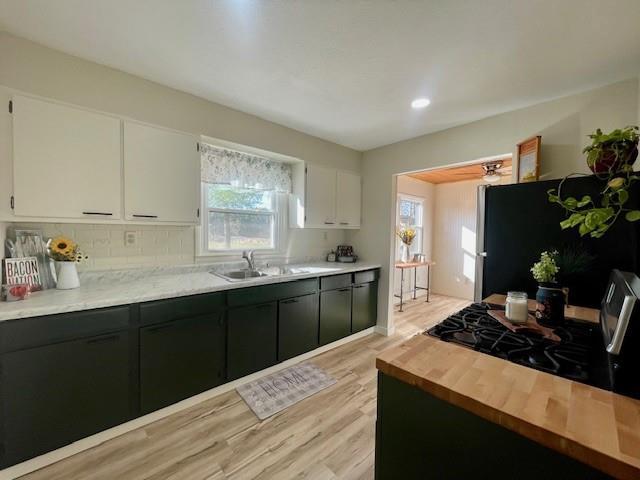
344	223
105	214
359	286
159	327
109	338
329	223
345	289
144	216
293	300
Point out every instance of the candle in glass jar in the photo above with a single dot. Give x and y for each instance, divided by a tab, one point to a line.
517	310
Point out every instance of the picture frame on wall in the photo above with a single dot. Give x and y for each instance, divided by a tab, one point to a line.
529	159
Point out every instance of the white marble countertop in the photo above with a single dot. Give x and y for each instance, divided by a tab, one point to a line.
110	289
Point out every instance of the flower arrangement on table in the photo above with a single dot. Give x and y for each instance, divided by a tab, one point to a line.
406	236
66	253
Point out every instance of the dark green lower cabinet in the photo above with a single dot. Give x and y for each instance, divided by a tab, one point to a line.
56	394
181	358
365	306
335	315
425	437
252	339
64	377
297	326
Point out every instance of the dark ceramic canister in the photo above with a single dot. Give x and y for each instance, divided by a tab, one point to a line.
550	304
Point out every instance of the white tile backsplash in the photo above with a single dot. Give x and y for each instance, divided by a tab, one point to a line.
159	245
105	244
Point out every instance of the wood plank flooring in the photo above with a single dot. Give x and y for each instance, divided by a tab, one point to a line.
330	435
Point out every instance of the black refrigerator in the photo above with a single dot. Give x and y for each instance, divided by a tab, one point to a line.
515	223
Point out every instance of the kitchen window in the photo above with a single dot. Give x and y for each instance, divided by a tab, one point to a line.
239	218
243	201
410	215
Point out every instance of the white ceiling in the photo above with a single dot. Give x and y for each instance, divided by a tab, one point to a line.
347	70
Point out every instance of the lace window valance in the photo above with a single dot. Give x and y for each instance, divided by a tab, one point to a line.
238	169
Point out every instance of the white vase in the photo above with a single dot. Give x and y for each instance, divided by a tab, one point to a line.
404	254
67	275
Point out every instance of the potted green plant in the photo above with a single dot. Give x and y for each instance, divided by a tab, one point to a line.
550	299
573	261
611	157
611	152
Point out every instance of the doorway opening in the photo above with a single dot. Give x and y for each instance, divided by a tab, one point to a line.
437	210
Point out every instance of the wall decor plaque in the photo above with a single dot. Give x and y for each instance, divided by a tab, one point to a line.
22	271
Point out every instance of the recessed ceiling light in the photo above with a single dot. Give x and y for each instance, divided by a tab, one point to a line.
420	103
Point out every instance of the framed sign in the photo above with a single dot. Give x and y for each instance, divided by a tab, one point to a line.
23	270
529	160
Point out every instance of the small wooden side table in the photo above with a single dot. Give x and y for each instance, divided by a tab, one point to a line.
415	265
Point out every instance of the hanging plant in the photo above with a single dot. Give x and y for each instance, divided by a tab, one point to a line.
611	157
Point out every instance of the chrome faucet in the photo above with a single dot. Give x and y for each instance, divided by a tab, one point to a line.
248	256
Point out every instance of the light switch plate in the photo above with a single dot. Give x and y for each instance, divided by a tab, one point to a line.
130	239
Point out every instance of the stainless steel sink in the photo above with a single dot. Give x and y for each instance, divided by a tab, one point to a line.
239	275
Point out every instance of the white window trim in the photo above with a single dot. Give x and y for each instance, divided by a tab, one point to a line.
279	227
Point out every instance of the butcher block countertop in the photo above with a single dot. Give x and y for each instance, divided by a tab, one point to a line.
597	427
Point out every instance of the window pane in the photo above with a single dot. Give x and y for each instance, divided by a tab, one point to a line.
228	197
410	212
238	231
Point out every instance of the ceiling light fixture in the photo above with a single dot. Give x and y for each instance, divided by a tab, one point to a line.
420	103
491	177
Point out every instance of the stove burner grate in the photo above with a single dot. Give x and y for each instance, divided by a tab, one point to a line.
474	328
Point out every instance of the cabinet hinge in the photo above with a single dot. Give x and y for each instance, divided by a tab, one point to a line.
13	202
10	106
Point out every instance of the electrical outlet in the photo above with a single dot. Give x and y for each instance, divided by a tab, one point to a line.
130	239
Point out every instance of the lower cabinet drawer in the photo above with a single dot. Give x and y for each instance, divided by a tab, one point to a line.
335	281
180	359
252	338
57	394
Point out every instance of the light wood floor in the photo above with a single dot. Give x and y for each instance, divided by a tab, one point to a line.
328	436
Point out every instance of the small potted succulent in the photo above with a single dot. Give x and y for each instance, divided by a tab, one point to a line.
66	254
406	236
550	297
611	157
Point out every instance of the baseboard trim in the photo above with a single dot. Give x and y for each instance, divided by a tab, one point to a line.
54	456
386	331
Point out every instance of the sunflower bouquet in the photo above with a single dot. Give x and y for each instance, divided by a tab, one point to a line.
406	235
63	249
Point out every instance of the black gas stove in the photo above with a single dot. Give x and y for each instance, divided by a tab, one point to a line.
576	356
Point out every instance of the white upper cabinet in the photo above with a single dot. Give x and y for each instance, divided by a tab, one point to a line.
66	161
161	174
330	199
321	196
348	194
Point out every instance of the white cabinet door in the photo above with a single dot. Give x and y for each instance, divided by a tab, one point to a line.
66	161
161	174
348	199
320	197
